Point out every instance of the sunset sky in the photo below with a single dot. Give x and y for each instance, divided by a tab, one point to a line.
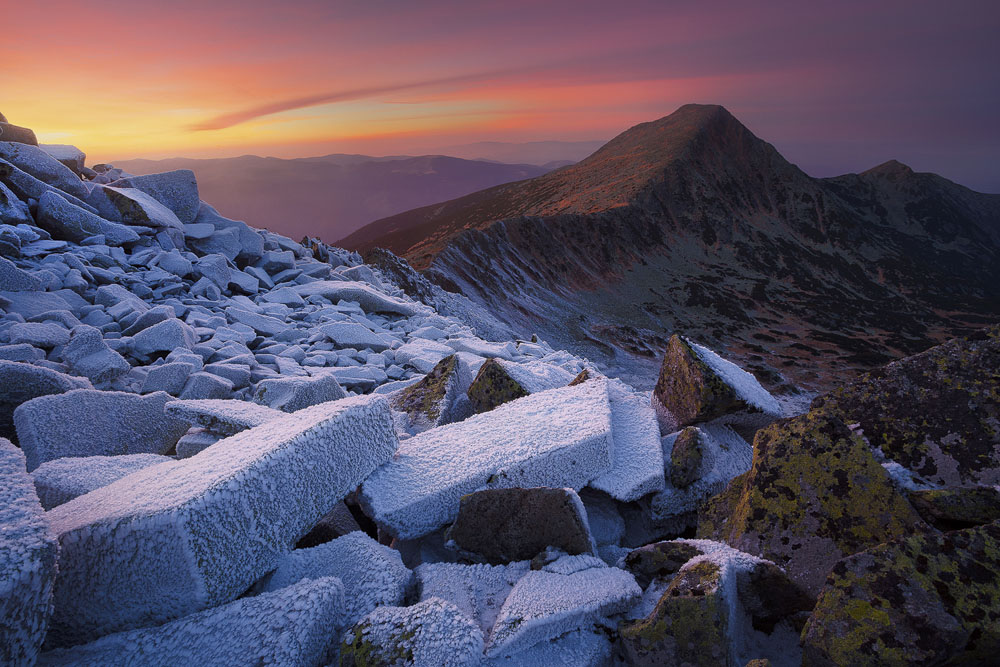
835	86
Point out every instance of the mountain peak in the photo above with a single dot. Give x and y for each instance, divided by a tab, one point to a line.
892	169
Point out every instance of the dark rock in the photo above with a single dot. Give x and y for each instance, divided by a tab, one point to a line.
685	458
661	559
936	413
927	600
505	525
432	401
691	391
17	134
957	507
583	376
769	596
337	522
493	387
813	495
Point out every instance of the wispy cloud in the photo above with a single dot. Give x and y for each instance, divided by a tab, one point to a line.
237	117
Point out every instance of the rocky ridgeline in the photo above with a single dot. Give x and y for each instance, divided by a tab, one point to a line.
232	448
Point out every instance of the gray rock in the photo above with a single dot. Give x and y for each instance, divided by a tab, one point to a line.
15	133
284	295
10	242
214	268
369	298
175	263
13	211
244	281
39	334
198	230
13	279
66	221
20	352
356	336
276	261
61	480
164	337
293	394
170	377
28	553
87	422
112	295
43	166
133	207
222	417
250	241
25	186
20	382
195	441
154	315
206	385
263	324
71	156
87	354
238	374
177	190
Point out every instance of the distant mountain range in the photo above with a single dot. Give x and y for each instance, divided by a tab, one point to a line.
333	195
692	224
551	154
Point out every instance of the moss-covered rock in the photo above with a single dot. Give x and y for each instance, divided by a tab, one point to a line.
928	600
493	387
688	625
658	560
936	413
432	401
813	495
690	390
685	458
957	507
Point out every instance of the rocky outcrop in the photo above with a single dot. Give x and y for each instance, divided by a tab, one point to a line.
493	386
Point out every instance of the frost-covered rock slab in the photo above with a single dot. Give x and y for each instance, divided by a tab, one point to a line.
43	166
195	441
372	573
132	207
20	382
422	354
432	632
292	626
88	355
177	190
354	335
28	551
70	222
369	298
544	605
71	156
477	590
581	648
636	455
61	480
558	438
13	279
165	336
87	422
176	538
222	416
290	394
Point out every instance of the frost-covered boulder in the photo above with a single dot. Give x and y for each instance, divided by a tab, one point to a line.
636	452
42	166
195	441
16	133
173	539
432	632
72	223
580	648
177	190
262	324
438	398
206	386
250	243
354	335
506	525
170	377
222	416
13	279
478	591
28	552
88	355
697	385
21	382
71	156
295	393
558	438
372	573
132	207
369	298
61	480
546	604
422	354
164	337
39	334
25	186
87	422
13	211
813	495
292	626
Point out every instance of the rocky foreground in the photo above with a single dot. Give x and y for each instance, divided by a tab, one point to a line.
225	447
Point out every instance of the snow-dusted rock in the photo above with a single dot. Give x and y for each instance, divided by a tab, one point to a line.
225	417
13	211
21	352
165	336
354	335
88	355
215	268
262	324
132	207
39	334
285	295
43	166
484	348
422	354
636	453
369	298
113	295
293	627
477	590
61	480
205	386
251	243
373	574
170	377
28	551
25	186
580	648
13	279
558	438
173	539
195	441
177	190
293	394
432	632
71	156
544	605
87	422
20	382
67	221
238	374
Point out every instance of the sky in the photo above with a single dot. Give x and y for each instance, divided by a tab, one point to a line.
835	86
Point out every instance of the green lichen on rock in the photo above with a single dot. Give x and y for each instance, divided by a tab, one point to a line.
357	651
661	559
813	495
687	626
130	211
957	507
493	387
424	399
936	413
690	390
685	458
929	600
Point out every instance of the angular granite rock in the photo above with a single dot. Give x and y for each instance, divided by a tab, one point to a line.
369	298
42	166
13	279
72	223
222	416
61	480
173	539
290	394
88	355
177	190
437	398
493	386
21	382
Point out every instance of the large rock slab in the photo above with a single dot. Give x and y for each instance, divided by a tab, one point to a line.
61	480
25	186
366	296
164	337
293	394
16	133
177	190
935	413
88	422
69	155
250	244
222	416
558	438
21	382
354	335
88	355
813	495
13	279
72	223
506	525
173	539
132	207
292	626
43	166
13	211
28	551
477	590
927	600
